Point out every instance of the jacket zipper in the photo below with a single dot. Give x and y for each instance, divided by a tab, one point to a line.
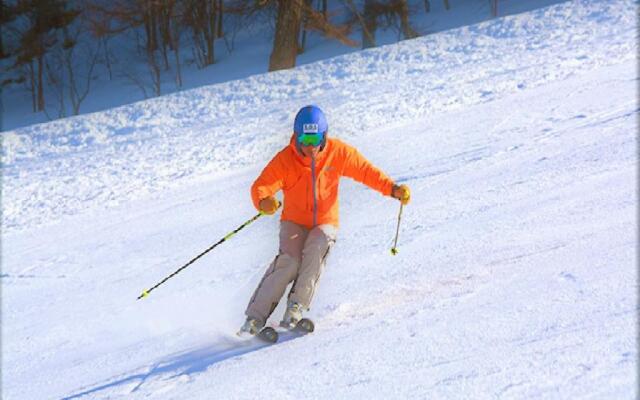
313	186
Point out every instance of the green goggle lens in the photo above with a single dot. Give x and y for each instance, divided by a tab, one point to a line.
313	139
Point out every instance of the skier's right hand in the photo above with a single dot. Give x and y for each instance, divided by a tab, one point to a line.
401	193
269	205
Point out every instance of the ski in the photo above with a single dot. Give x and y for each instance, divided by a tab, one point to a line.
304	326
272	335
268	335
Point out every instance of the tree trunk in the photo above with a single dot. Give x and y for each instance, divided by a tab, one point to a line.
220	11
156	76
40	83
164	21
165	57
303	40
32	81
446	4
285	43
147	27
1	108
174	29
153	18
427	6
2	17
78	94
176	50
107	58
196	28
211	29
407	30
71	76
370	25
494	8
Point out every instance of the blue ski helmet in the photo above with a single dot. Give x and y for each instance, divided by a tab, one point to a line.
310	121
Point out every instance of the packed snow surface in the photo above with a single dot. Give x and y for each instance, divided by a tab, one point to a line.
516	276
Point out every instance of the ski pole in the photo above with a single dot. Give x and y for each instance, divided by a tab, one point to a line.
394	249
146	292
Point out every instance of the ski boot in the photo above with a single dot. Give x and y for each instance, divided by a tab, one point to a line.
293	320
254	327
250	327
292	315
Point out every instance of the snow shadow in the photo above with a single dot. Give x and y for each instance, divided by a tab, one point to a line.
187	363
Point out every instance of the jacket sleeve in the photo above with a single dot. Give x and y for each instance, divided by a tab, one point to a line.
360	169
269	182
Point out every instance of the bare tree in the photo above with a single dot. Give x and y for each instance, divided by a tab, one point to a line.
104	44
318	21
137	81
200	16
27	70
382	14
69	68
149	12
161	22
1	108
235	16
120	16
55	80
285	43
99	26
155	72
38	22
305	22
427	5
370	24
176	32
79	85
287	31
7	52
220	12
6	15
403	12
368	38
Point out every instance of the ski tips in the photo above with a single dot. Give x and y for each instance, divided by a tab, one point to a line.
144	294
394	251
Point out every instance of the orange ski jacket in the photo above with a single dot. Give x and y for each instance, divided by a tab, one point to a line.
310	186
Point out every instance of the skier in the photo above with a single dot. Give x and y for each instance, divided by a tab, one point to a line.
308	171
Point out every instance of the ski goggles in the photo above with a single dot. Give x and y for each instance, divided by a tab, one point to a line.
311	139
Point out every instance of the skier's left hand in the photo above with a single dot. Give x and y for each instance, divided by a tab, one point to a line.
401	193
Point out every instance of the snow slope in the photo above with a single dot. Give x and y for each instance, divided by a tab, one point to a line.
75	164
516	276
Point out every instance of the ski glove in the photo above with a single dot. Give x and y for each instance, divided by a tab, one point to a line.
401	193
269	205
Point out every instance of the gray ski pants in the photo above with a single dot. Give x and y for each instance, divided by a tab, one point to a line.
301	259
